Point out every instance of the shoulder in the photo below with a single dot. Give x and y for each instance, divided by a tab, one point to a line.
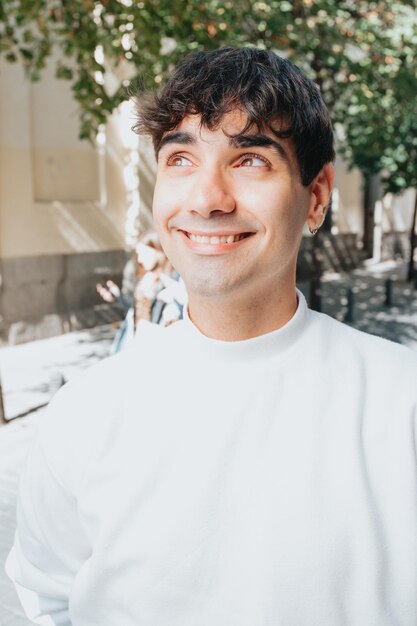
93	398
94	385
370	350
70	425
100	384
87	411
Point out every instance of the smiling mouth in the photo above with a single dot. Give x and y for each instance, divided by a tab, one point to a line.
216	239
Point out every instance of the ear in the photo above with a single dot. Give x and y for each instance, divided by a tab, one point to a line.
320	190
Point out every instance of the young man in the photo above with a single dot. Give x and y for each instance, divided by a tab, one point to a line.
255	463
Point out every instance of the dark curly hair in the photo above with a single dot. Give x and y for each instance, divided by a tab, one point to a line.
272	92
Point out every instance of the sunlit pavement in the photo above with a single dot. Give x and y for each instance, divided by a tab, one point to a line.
370	313
31	372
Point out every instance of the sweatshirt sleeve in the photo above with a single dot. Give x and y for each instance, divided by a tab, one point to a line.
49	544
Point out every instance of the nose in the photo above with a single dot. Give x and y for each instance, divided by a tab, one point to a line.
211	193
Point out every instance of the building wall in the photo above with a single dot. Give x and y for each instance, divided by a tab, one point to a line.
348	199
394	214
63	202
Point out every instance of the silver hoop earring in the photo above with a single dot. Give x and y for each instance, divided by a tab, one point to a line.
313	232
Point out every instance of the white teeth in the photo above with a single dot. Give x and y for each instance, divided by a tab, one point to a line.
215	239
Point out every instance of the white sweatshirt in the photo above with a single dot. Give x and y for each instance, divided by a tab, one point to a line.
197	482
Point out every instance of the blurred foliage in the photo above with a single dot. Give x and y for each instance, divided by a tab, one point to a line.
360	53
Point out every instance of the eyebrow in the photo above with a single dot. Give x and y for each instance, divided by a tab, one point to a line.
176	137
236	141
259	141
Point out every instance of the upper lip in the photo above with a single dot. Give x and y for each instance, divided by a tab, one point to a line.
219	234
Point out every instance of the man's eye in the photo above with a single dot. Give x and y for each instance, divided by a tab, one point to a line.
253	160
178	160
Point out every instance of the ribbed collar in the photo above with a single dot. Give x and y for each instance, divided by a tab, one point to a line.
275	343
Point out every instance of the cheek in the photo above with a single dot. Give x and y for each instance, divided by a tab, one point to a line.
162	206
268	200
276	214
283	224
168	199
159	197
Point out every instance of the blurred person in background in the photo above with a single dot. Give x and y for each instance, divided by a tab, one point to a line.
151	290
255	462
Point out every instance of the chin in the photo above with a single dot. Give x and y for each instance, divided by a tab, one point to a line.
207	286
203	287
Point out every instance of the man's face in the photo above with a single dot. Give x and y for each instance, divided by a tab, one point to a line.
249	187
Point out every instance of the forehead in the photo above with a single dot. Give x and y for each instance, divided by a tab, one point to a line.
230	124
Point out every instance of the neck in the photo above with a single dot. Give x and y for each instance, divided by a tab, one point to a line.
242	318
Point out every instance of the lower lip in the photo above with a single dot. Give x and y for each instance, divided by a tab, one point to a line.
212	248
